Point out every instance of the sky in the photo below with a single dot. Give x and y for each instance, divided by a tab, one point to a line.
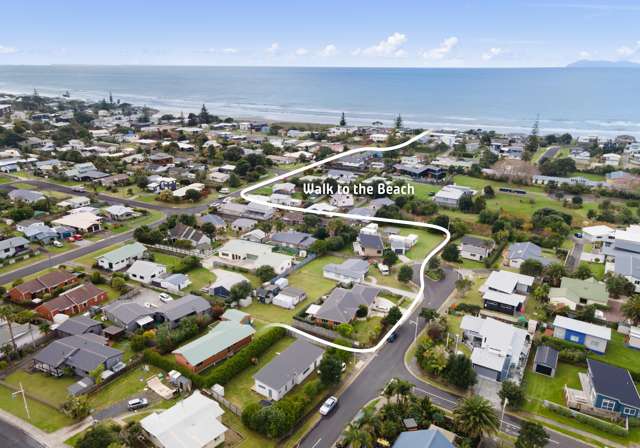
355	33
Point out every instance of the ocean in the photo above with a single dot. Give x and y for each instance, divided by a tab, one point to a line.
584	101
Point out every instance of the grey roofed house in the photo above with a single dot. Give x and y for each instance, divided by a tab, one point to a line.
216	220
299	240
185	306
126	313
15	242
288	364
79	387
627	265
342	304
243	224
378	203
362	211
184	232
353	269
368	241
28	196
477	242
424	438
527	251
546	360
82	353
79	325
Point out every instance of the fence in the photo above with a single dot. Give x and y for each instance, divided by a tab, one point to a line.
172	250
313	329
295	267
226	403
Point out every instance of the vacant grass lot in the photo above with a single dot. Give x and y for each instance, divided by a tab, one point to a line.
42	416
200	277
427	241
310	278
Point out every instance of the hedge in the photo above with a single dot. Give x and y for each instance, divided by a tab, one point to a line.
491	259
223	373
597	423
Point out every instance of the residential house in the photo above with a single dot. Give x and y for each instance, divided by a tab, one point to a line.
353	270
574	291
497	346
78	325
114	180
611	159
293	239
288	369
450	195
44	284
236	315
284	199
594	337
129	315
284	188
577	180
341	200
243	225
289	297
474	248
182	232
174	282
368	245
605	388
160	183
600	235
225	280
146	271
252	210
73	301
122	257
26	196
505	291
221	342
342	304
80	353
256	236
342	177
251	256
84	222
75	202
40	233
210	218
623	255
424	438
13	246
174	311
195	422
181	193
119	212
518	253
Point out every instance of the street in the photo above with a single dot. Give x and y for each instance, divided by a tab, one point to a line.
11	436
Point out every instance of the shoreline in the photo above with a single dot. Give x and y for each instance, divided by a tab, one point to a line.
319	117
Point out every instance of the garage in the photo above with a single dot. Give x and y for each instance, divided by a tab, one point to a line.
546	361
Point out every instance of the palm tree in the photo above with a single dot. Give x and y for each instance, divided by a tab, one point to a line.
9	314
354	437
475	417
402	390
631	309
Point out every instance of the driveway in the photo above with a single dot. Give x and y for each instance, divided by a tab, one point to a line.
121	407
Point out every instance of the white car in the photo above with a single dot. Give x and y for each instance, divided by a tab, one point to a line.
328	405
57	243
164	297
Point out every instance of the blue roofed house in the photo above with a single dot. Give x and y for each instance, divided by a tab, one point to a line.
623	255
594	337
40	233
26	196
518	253
605	388
353	270
424	438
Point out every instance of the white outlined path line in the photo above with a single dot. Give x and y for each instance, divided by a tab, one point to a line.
260	200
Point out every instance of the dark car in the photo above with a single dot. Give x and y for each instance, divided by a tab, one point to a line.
392	337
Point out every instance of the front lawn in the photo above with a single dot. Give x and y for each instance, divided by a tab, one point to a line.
123	387
238	390
40	384
89	259
125	226
619	354
390	280
44	417
310	279
427	241
367	331
597	269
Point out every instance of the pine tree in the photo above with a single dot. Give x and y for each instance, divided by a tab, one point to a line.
398	121
343	120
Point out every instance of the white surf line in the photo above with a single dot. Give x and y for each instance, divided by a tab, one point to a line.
261	200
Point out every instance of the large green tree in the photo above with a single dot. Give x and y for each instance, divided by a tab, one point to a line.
532	435
476	418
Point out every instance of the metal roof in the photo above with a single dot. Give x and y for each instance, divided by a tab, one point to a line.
288	364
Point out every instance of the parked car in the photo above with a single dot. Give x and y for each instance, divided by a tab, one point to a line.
224	190
57	243
164	297
328	406
77	237
578	235
392	337
137	403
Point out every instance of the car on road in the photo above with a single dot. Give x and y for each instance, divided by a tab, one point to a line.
224	190
137	403
164	297
578	235
392	337
57	243
328	406
78	189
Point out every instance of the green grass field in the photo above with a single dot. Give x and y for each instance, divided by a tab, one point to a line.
427	241
123	387
310	278
39	384
44	417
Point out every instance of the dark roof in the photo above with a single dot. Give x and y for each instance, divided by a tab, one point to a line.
547	356
77	325
78	295
85	352
613	382
49	280
288	364
370	241
299	239
477	242
342	304
184	306
183	232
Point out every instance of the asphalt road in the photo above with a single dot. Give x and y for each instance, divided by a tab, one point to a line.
388	363
11	436
549	154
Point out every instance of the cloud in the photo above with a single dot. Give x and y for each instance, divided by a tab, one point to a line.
301	52
584	55
626	51
274	48
391	46
230	50
440	52
7	50
356	52
329	50
492	53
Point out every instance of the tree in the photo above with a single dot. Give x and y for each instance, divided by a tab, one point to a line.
9	314
617	285
488	192
532	435
513	393
583	271
99	436
192	195
240	291
631	309
459	372
553	273
475	417
330	369
389	257
343	120
77	407
398	121
234	180
533	141
451	252
405	273
345	330
531	267
392	317
355	437
362	311
265	273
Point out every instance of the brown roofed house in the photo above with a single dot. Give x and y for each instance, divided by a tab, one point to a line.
44	284
73	301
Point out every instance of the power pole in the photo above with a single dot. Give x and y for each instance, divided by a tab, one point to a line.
24	400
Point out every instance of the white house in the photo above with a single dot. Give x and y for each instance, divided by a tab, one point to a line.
194	422
505	291
84	222
611	159
353	270
75	202
287	370
122	257
181	192
119	212
251	256
450	195
289	297
175	282
401	244
146	271
599	233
